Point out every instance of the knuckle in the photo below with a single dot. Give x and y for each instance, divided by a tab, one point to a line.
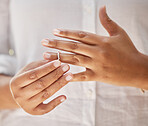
33	75
54	43
81	34
64	32
46	94
109	20
80	59
84	60
84	77
74	46
40	84
75	59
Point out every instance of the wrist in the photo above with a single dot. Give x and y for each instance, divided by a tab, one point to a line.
7	101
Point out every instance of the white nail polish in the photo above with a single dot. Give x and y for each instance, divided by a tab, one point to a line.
63	99
69	77
57	63
65	68
46	42
56	31
47	55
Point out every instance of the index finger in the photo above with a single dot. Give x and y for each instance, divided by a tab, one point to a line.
85	37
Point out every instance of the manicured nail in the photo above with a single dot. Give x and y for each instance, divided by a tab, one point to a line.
65	68
47	55
69	77
45	42
56	31
62	99
57	63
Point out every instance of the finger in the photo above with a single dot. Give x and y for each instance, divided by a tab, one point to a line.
33	65
34	74
52	89
45	108
73	59
39	85
69	46
85	37
108	24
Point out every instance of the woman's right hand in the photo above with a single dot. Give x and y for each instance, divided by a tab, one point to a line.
37	82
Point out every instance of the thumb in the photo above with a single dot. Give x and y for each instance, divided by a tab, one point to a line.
111	27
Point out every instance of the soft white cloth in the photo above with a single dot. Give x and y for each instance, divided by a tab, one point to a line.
7	65
7	62
89	103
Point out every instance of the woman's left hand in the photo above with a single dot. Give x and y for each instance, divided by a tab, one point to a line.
112	59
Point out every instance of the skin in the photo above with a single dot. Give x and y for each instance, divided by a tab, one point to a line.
111	59
38	81
6	99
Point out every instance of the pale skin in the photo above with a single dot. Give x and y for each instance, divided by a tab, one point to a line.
111	59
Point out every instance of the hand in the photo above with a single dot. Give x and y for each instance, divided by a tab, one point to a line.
112	59
38	81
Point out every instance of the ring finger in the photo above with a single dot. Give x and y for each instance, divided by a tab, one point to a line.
73	59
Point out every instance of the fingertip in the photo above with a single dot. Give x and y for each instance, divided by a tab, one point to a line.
57	63
102	12
62	98
69	77
103	7
46	55
56	32
45	42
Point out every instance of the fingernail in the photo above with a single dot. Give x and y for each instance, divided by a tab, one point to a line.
56	31
62	99
69	77
47	55
45	42
57	63
65	68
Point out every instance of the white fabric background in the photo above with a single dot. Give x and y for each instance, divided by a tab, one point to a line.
89	103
